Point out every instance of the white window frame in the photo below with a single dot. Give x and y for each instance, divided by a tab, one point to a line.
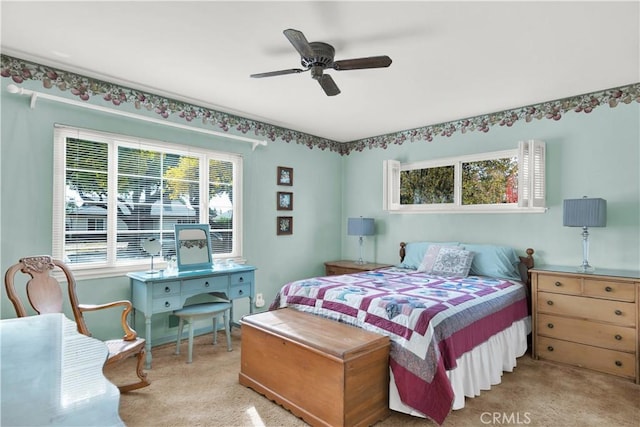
531	182
113	267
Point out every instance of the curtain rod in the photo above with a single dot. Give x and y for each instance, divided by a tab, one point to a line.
11	88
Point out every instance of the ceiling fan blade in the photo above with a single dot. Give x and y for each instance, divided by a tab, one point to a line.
328	85
299	41
278	73
361	63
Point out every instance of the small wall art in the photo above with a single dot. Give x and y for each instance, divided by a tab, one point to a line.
284	201
284	225
285	175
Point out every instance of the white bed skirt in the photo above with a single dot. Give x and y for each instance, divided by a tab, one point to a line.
479	368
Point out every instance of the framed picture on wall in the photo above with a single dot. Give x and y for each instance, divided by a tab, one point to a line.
285	175
285	225
284	201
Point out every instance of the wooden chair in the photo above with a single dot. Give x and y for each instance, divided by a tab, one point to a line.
45	296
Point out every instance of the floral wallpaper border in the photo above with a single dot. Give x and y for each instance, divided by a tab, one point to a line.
84	88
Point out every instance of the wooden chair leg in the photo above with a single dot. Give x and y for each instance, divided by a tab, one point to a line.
141	374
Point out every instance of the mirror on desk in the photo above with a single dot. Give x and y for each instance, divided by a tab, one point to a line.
193	246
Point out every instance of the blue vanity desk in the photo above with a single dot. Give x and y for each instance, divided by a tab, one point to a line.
153	293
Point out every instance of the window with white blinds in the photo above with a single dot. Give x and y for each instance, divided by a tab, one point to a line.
112	193
501	181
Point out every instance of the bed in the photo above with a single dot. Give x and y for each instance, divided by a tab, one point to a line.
457	315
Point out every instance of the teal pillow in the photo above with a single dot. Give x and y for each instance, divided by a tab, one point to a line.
494	261
414	253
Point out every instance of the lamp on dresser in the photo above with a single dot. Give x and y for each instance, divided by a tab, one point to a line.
585	213
360	227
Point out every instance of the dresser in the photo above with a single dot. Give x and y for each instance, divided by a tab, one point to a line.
588	320
333	268
154	293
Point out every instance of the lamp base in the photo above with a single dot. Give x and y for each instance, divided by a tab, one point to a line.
360	261
585	268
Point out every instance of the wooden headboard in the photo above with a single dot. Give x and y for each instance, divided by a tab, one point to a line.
526	262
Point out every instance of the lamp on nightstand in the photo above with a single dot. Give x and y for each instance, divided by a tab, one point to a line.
360	227
585	213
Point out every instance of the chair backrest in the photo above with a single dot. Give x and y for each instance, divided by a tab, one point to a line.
44	292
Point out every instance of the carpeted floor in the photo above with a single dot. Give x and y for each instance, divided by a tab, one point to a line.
207	393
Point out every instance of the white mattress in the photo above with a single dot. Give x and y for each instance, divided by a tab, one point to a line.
478	369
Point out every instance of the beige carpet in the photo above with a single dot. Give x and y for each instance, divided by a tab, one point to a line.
207	393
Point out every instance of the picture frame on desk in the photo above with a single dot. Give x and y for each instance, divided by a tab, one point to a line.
284	225
285	176
284	201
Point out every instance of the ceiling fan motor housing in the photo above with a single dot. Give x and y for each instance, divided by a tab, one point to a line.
323	56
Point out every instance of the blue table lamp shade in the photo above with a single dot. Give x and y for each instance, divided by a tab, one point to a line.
585	213
360	227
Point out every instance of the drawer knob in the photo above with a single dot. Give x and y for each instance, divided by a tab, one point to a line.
618	337
618	363
608	289
558	284
550	325
206	284
549	302
240	292
550	348
618	312
241	279
167	304
167	289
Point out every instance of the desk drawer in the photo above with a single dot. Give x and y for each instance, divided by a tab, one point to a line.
241	278
206	284
170	303
165	289
240	291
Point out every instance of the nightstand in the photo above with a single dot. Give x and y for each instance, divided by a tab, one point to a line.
333	268
588	320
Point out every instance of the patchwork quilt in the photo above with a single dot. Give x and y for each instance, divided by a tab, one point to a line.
430	320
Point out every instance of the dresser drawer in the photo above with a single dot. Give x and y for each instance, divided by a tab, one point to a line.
559	284
586	332
620	313
165	288
598	359
206	284
170	303
241	278
611	290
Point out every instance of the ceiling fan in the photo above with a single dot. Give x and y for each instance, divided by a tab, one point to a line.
318	56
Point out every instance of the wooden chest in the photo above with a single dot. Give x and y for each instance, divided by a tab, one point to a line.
325	372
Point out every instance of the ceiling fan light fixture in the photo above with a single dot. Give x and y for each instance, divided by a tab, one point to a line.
318	56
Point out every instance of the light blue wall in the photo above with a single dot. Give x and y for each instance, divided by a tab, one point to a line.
595	154
26	201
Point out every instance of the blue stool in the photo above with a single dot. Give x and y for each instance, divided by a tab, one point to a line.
191	313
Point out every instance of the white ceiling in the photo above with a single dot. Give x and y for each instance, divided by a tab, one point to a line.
451	60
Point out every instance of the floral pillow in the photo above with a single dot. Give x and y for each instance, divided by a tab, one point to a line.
452	262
